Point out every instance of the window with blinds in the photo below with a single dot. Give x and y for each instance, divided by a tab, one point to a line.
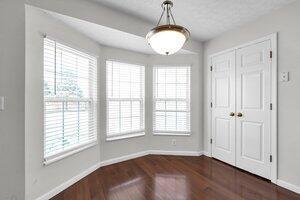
70	94
171	104
125	99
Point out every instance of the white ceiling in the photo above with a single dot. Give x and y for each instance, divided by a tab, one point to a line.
205	19
108	36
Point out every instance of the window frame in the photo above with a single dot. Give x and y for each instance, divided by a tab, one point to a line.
68	151
154	100
128	134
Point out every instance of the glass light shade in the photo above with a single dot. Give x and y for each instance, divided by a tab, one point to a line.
167	39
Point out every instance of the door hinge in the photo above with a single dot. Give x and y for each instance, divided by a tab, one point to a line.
211	68
271	106
211	104
271	54
211	141
271	158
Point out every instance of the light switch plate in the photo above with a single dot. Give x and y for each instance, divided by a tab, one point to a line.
1	103
284	76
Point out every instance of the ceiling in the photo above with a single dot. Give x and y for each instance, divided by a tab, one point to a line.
205	19
108	36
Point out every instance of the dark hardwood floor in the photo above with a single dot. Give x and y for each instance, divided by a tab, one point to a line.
173	177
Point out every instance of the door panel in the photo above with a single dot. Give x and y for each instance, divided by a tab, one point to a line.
252	90
252	137
253	100
223	134
223	97
222	92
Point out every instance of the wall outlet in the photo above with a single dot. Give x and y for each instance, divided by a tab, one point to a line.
1	103
174	142
284	76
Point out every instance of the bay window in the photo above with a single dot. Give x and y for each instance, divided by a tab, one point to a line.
70	96
171	100
125	100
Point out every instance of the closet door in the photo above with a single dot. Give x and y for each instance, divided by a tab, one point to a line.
223	107
253	108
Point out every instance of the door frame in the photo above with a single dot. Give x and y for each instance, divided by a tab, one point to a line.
273	127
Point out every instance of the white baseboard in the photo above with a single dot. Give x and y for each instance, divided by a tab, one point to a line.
175	153
83	174
288	186
206	153
152	152
123	158
68	183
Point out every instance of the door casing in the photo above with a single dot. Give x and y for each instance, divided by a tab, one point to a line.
273	120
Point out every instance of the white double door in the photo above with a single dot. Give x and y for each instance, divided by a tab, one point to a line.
241	89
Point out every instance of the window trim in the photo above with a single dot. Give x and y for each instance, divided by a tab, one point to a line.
47	160
170	133
174	133
129	134
126	135
71	151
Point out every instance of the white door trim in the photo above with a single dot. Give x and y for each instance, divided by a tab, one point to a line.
273	128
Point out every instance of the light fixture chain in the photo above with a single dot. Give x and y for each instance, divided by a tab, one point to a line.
168	14
172	17
162	14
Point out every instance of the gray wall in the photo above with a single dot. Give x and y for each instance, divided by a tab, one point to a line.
286	22
118	148
41	179
184	143
12	80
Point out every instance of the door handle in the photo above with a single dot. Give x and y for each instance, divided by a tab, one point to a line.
231	114
240	114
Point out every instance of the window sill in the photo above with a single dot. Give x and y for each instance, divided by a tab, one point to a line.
120	137
69	152
172	133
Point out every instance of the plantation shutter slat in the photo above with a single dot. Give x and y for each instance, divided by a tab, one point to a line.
125	98
171	91
70	96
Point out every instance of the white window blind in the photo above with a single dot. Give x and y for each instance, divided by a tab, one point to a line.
171	90
125	99
70	93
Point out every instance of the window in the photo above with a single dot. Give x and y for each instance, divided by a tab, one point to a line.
171	104
69	100
125	100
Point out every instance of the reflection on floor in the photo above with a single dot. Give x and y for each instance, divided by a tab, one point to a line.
173	177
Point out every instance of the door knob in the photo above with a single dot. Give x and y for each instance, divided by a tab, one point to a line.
239	114
231	114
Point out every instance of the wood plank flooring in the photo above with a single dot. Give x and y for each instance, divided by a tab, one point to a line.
173	177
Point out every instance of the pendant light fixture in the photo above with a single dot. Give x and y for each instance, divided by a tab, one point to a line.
169	38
